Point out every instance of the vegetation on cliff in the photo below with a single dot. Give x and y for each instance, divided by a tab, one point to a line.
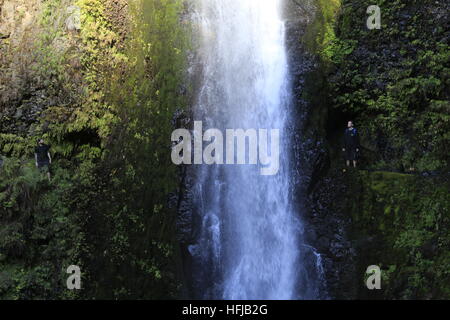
103	93
401	224
393	82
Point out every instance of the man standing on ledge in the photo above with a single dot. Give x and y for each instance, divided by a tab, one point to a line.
42	157
351	144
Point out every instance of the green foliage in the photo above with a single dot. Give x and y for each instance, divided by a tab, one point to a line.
50	69
15	145
320	36
407	214
337	49
394	81
114	92
143	97
100	56
38	232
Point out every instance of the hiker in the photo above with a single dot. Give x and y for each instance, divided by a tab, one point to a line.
351	144
42	157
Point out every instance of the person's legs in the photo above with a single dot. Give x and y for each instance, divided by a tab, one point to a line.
351	157
44	168
348	156
47	167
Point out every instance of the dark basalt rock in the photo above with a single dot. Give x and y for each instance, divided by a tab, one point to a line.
315	191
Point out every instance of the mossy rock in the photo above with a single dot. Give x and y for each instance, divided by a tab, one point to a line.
405	218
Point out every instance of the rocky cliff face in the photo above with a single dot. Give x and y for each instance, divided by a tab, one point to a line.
83	75
326	229
377	215
18	21
31	45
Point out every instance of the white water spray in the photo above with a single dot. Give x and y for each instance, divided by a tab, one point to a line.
248	246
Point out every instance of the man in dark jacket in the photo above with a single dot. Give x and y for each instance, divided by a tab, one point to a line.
42	157
351	144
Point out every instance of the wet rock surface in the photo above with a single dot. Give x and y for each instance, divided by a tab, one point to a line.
327	213
317	188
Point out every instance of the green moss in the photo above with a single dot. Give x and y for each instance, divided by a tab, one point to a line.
320	35
106	204
392	83
384	181
406	215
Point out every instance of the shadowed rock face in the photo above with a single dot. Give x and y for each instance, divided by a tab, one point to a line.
352	213
325	228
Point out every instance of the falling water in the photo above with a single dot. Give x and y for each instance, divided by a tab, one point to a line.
248	244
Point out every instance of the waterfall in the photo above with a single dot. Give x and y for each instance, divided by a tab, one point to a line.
249	235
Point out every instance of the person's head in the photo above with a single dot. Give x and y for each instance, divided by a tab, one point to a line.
41	141
350	124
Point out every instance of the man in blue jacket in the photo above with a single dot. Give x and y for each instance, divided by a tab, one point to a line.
351	144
